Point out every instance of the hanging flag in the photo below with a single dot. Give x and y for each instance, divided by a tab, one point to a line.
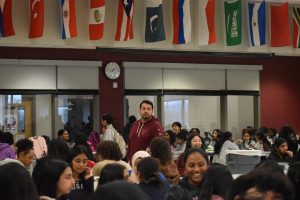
36	18
155	30
280	30
233	22
6	24
97	16
296	27
69	28
257	23
125	20
182	24
206	28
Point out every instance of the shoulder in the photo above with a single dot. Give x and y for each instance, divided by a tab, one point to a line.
125	164
175	192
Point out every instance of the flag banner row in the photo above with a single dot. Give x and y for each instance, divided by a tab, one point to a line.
255	14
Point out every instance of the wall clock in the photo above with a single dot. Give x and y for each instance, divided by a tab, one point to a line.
112	70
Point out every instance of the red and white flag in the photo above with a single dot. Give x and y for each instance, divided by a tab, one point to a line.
69	27
97	16
6	24
36	18
206	23
125	23
280	29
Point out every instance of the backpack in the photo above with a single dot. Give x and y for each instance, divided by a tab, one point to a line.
39	146
118	138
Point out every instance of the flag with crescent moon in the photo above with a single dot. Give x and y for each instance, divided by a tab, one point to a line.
155	30
68	11
6	24
36	18
124	30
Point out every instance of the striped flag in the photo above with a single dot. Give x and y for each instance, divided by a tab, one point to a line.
182	24
296	27
36	18
125	20
6	24
280	30
233	22
69	28
97	16
155	30
257	23
206	28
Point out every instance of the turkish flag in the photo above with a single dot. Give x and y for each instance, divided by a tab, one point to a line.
36	18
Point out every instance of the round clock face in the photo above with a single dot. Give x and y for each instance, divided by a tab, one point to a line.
112	70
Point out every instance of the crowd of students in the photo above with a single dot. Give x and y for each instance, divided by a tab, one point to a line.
69	173
172	165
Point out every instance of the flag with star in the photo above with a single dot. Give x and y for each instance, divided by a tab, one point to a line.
124	30
69	28
36	18
296	27
155	30
257	23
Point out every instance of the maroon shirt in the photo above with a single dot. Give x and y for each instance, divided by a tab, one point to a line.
141	135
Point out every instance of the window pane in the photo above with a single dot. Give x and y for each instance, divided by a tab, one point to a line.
201	112
240	113
75	113
133	105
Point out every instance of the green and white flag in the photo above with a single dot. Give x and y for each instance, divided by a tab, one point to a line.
233	22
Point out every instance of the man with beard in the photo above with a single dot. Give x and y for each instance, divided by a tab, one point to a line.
143	130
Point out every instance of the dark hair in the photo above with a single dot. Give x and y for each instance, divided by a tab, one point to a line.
146	102
7	138
269	165
24	145
263	181
189	141
47	139
223	137
279	141
294	176
194	150
266	144
81	140
176	124
131	119
16	183
217	180
48	177
58	149
111	172
160	149
148	169
182	135
75	151
194	130
273	131
108	118
119	190
109	150
172	136
286	132
61	132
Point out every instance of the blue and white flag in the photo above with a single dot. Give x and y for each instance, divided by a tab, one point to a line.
257	23
155	30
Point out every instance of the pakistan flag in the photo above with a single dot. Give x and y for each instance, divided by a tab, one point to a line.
233	22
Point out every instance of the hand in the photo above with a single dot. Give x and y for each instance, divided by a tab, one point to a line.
290	154
87	173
